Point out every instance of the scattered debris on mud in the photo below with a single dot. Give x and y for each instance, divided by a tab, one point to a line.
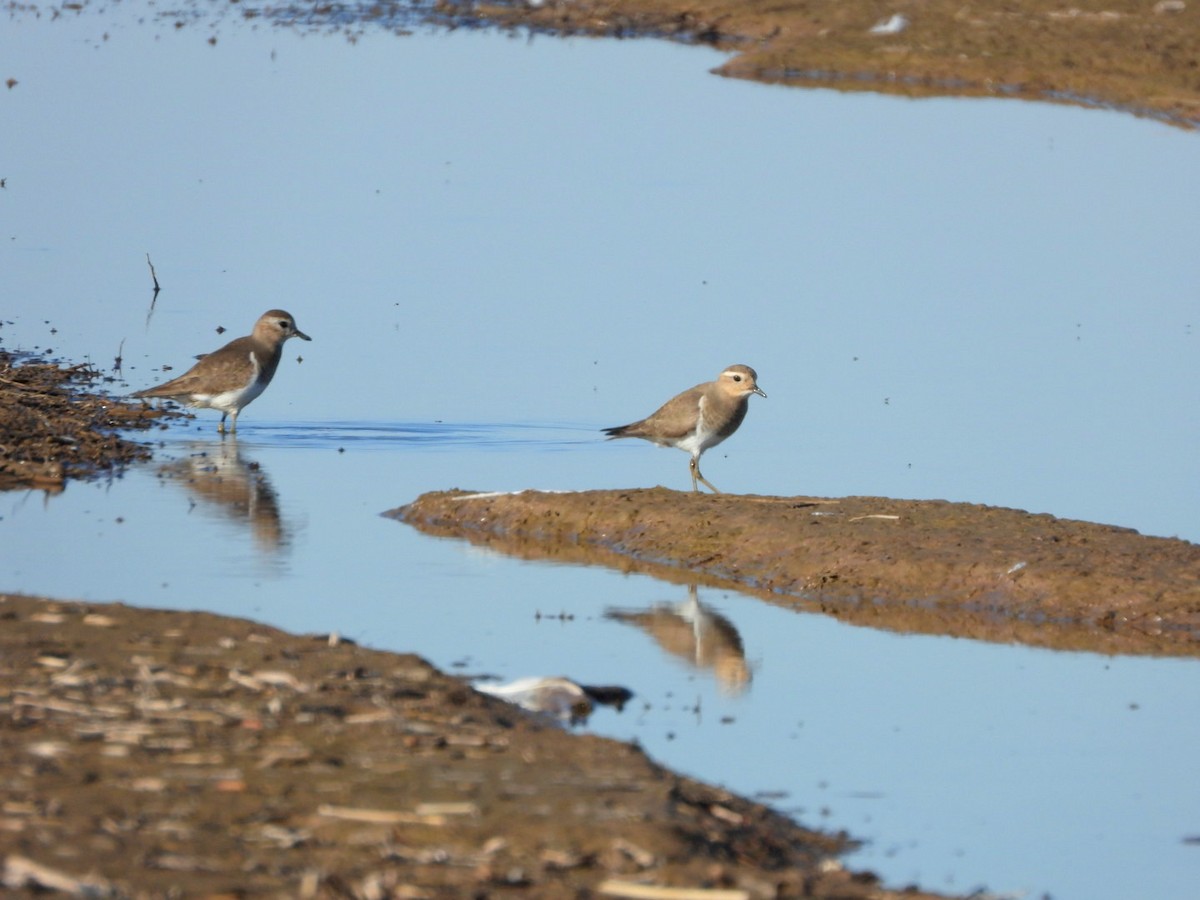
55	426
906	565
164	754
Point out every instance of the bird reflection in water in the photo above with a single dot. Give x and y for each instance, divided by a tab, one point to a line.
692	631
218	476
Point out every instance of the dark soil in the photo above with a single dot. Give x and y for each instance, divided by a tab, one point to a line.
54	425
906	565
162	754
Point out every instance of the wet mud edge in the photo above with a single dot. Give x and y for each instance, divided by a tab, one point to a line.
923	566
56	424
154	753
1031	49
1139	58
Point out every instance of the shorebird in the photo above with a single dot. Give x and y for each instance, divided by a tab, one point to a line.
560	698
699	418
230	378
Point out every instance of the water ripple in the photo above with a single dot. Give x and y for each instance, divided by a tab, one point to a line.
417	435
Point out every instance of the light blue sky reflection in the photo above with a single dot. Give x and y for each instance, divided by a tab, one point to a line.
499	248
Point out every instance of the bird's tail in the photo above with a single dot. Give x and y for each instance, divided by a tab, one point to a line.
169	390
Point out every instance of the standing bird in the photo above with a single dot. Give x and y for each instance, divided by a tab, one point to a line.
698	418
230	378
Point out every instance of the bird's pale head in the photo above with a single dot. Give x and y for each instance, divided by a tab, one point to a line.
740	380
276	326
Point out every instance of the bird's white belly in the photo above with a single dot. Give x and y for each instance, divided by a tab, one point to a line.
701	439
230	401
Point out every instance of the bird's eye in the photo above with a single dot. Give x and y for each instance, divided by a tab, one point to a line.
737	377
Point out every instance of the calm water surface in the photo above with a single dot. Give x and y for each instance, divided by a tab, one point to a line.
500	248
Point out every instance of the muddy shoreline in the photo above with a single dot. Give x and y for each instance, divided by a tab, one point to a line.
164	754
929	567
1135	57
56	425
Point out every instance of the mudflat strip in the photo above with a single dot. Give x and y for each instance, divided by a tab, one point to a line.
916	566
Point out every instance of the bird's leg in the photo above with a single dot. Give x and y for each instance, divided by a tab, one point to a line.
221	424
694	465
233	421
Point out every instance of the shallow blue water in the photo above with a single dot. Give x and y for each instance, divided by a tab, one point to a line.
498	249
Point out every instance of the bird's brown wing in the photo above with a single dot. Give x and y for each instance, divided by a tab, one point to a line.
215	373
673	420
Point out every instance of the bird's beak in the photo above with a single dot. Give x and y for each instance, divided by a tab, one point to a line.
760	392
300	334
